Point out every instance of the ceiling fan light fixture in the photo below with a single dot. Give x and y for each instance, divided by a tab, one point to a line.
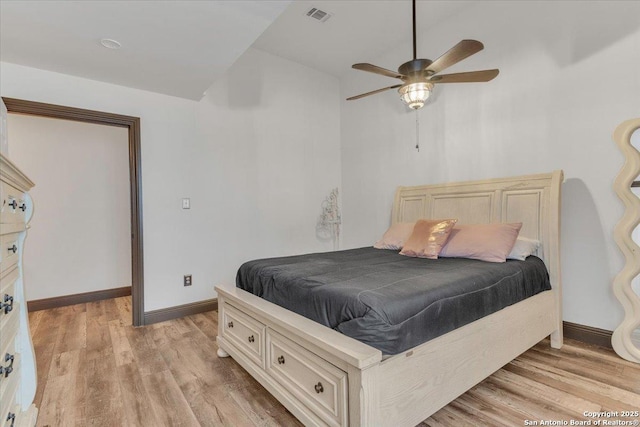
419	75
415	94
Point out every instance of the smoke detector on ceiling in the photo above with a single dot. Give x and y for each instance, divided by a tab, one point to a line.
318	15
110	43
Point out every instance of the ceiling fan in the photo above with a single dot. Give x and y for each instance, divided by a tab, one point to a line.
419	75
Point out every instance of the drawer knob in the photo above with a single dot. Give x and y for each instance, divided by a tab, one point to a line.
230	324
23	207
281	360
13	204
13	249
11	417
7	303
9	368
319	388
251	338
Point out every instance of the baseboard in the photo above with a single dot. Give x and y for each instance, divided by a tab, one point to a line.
169	313
65	300
587	334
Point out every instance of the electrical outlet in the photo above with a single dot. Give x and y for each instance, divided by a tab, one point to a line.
187	280
186	203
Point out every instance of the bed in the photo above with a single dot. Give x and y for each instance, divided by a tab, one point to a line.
325	377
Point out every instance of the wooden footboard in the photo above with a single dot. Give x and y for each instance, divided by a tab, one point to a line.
419	382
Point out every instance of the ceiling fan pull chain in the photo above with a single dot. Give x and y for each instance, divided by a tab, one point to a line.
417	131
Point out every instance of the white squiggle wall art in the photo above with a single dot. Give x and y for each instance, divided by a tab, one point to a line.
329	221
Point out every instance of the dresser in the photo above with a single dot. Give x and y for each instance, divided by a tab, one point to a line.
17	359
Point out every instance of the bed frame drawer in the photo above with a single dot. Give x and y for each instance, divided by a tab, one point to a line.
318	384
245	332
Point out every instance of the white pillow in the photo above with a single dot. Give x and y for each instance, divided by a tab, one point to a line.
523	248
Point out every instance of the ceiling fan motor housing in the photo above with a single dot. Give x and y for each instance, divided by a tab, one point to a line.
415	68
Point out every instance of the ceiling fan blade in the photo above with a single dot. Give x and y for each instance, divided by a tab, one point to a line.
373	92
462	50
470	77
377	70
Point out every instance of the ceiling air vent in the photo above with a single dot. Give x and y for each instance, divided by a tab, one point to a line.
318	15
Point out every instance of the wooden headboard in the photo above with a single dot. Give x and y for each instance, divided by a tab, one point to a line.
533	200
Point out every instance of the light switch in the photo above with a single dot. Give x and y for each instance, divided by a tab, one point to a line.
186	203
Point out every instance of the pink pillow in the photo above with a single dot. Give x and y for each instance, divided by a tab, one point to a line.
427	238
486	242
395	236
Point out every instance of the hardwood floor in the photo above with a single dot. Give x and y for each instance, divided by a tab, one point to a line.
95	369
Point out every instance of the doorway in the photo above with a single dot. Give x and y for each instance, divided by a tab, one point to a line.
135	179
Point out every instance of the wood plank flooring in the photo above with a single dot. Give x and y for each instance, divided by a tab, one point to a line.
95	369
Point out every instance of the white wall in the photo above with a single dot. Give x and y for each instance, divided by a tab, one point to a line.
568	76
256	157
80	235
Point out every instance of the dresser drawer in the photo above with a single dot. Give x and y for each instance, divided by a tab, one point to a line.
316	383
12	204
9	338
8	302
9	400
8	251
245	332
10	366
13	418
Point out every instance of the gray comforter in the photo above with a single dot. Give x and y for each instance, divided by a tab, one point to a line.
387	300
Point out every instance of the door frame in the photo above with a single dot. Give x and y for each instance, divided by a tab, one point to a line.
33	108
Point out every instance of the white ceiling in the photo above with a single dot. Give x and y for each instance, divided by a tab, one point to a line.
180	47
173	47
358	31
